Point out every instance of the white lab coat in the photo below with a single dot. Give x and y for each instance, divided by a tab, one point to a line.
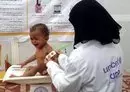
91	67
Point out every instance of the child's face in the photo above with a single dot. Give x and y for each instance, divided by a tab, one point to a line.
38	39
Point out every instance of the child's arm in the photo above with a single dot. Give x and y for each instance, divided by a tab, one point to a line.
31	71
32	58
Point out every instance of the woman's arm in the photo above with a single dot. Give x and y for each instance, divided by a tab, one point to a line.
66	76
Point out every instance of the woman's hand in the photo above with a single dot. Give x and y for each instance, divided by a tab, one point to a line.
52	56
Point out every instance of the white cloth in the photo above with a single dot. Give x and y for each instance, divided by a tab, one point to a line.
91	67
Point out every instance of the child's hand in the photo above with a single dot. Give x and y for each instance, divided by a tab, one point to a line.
22	64
44	72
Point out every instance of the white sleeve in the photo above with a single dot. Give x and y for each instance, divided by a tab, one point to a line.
68	80
63	61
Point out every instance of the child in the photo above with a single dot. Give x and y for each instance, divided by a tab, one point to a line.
39	35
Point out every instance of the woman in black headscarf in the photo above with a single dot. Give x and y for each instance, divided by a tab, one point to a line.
95	65
92	22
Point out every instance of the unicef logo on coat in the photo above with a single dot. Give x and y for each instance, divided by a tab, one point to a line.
113	68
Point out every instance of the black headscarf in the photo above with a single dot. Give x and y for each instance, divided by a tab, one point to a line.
91	21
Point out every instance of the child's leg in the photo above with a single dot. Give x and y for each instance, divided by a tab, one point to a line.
31	71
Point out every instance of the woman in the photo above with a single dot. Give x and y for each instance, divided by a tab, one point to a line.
95	65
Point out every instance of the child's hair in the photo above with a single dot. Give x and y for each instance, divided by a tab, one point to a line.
41	27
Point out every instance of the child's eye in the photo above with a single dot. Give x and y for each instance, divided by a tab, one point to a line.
33	38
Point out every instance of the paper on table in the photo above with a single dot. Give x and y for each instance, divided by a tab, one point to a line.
16	70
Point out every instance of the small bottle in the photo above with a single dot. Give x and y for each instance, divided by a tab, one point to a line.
38	7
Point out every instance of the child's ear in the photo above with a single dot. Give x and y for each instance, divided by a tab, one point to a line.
47	38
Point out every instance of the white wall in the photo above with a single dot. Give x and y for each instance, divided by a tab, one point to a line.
117	6
5	50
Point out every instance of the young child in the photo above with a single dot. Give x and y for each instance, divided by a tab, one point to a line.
39	35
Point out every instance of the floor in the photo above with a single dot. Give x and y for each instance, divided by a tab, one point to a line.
126	82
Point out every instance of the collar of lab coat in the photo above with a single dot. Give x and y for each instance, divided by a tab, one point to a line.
78	44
